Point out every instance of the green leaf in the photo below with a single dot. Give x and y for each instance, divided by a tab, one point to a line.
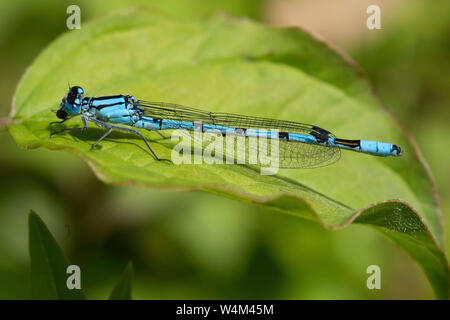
191	9
48	264
239	66
122	290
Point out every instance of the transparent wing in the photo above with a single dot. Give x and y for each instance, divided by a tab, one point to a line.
291	154
170	111
306	156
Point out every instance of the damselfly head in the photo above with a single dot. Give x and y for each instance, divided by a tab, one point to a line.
71	103
61	114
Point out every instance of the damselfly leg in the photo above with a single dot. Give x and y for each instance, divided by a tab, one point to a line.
70	129
102	137
162	136
107	126
111	127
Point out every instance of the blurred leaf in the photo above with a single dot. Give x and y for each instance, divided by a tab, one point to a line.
122	290
191	9
243	67
48	264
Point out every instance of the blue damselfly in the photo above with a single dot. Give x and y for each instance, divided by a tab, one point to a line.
300	145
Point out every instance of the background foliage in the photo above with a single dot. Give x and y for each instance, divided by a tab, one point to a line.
201	246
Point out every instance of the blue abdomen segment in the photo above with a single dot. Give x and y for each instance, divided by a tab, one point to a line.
376	148
370	147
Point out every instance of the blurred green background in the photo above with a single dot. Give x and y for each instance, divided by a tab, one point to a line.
197	245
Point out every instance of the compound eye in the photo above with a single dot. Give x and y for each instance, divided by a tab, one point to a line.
73	94
61	114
